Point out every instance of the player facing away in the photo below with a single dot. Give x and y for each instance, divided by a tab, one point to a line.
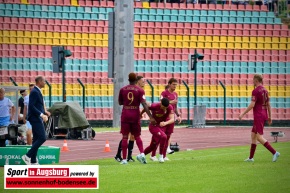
140	83
172	96
131	96
163	113
262	112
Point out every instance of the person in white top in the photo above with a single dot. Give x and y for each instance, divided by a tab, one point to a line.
25	112
7	112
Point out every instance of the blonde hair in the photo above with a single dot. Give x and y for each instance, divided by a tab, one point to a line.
258	77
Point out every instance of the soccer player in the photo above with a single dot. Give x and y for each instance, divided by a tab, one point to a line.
141	84
172	96
130	97
262	112
164	116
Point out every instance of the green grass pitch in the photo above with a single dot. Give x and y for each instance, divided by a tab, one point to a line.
211	170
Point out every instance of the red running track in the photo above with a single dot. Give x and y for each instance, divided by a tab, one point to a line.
187	138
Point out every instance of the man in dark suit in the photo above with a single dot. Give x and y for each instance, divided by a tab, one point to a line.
36	116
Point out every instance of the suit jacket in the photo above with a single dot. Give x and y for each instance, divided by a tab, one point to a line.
35	106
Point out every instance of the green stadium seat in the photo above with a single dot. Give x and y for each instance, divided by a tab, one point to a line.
277	20
182	12
16	13
225	20
210	19
233	14
233	19
137	17
166	18
152	18
240	19
189	12
248	14
173	18
211	13
174	12
188	18
263	14
270	20
73	9
152	11
196	13
144	17
52	8
241	14
203	13
145	11
218	13
181	18
254	20
160	12
96	10
262	20
167	12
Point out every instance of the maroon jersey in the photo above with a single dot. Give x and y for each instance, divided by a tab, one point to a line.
131	96
171	96
261	97
159	114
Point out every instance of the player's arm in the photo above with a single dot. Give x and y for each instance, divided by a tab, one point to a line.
120	99
250	107
178	115
143	111
146	109
269	113
13	111
170	121
45	110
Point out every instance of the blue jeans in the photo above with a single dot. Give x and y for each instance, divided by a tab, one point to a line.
38	139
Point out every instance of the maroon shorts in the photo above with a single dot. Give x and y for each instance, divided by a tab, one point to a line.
156	131
169	129
258	126
133	128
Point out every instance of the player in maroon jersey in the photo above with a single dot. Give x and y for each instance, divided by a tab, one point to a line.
163	113
131	96
172	96
262	112
140	82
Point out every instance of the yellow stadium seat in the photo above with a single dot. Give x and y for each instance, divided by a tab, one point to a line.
186	38
223	39
164	44
207	45
215	45
63	42
35	41
99	43
136	44
49	35
157	38
9	40
231	45
74	3
146	5
282	46
164	38
34	34
92	36
20	40
85	36
268	46
157	44
288	46
24	2
229	93
238	39
200	44
208	38
70	42
179	38
7	34
253	45
27	34
70	36
231	39
105	43
143	37
142	44
57	35
78	36
77	42
283	40
253	39
223	45
171	44
105	37
85	42
192	44
275	46
261	40
55	41
268	39
48	41
288	39
150	44
137	37
41	34
201	38
260	46
275	40
185	44
245	46
92	42
26	40
245	39
178	44
63	35
193	38
238	45
20	34
150	37
172	38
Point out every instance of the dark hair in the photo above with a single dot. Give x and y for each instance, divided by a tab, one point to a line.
39	78
132	77
166	87
22	91
172	80
31	85
165	102
139	78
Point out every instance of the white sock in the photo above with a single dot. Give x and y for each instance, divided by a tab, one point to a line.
142	154
161	156
168	148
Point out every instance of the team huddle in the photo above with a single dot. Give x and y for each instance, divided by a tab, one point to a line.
162	116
